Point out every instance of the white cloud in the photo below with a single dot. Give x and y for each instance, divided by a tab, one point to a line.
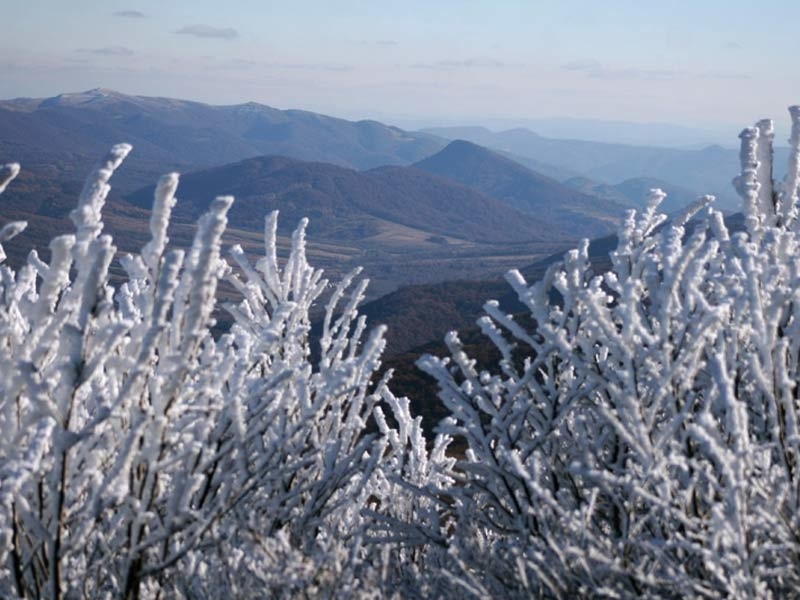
209	31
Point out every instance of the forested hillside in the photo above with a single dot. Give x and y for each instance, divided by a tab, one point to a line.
173	133
560	208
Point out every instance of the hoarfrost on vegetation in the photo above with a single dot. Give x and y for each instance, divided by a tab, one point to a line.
639	435
642	437
140	455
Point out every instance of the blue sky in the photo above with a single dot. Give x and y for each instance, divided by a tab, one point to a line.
469	60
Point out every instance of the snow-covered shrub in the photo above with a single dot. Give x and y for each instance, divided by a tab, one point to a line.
643	438
140	455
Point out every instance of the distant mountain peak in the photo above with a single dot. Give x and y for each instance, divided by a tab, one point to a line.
103	91
80	98
462	154
520	131
459	144
561	208
463	147
466	149
251	105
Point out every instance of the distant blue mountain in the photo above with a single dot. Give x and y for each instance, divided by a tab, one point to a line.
179	134
564	208
706	171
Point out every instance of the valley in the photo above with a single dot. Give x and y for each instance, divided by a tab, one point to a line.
433	223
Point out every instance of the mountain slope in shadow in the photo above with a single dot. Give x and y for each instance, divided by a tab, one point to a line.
347	205
169	134
568	210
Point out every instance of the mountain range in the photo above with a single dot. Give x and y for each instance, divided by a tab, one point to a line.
67	132
464	192
433	222
563	208
704	171
411	207
64	134
355	206
171	134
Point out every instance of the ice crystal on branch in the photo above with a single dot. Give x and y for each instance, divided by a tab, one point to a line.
141	456
639	436
642	437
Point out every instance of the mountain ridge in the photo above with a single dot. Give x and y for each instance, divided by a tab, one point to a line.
170	134
348	204
706	171
573	213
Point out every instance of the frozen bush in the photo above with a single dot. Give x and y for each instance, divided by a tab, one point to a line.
642	437
140	456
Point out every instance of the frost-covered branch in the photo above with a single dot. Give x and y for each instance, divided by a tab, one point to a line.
140	455
642	438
